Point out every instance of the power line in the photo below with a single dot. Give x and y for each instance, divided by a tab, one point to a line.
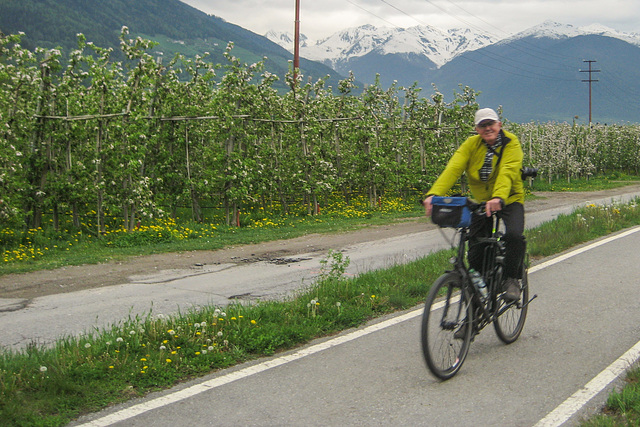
402	11
611	79
371	13
503	59
523	69
532	76
529	46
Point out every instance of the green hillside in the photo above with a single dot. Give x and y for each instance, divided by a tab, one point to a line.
176	26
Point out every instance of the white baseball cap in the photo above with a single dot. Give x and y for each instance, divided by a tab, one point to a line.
486	114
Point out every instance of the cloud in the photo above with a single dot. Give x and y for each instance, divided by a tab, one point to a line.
320	19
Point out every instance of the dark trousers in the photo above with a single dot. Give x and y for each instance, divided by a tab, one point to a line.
512	217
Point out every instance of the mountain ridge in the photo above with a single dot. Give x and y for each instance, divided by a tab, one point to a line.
439	46
359	41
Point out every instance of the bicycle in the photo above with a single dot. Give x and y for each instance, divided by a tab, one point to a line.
450	323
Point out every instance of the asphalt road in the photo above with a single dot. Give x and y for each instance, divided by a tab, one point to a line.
585	317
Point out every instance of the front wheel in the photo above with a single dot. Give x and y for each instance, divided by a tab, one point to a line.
447	325
511	315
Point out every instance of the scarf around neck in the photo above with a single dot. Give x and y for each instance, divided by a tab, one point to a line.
487	166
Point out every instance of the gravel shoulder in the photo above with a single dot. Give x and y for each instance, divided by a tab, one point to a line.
76	278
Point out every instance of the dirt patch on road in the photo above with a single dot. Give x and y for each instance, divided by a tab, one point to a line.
70	279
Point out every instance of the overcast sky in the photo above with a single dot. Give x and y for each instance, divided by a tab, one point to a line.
322	18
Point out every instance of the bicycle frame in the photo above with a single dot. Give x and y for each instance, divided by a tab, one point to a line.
492	272
461	268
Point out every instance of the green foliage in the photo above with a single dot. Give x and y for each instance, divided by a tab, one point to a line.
140	138
569	151
334	266
622	407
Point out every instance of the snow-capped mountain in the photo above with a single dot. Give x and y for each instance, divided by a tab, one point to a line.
436	45
285	39
555	30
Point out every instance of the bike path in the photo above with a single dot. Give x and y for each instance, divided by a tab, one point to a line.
585	317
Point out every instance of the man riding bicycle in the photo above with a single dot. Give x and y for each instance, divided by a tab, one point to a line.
492	161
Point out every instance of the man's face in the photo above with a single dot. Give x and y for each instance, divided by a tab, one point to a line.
488	130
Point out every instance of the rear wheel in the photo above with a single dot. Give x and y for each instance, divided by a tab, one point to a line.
446	326
511	315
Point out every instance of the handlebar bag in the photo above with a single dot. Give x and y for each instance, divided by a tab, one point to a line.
450	212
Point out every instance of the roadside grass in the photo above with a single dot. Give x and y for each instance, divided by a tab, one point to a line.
622	407
600	182
44	248
50	386
582	225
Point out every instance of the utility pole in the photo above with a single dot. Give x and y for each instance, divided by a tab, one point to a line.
296	43
590	70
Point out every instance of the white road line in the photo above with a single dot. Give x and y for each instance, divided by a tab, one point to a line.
573	404
555	418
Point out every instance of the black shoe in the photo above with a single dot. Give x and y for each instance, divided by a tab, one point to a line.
461	333
511	289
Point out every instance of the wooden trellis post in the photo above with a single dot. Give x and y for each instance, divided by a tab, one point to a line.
37	160
196	211
100	226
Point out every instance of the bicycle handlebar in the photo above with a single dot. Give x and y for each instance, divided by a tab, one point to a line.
478	208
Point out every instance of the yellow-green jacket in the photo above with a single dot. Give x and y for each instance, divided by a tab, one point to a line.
504	182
